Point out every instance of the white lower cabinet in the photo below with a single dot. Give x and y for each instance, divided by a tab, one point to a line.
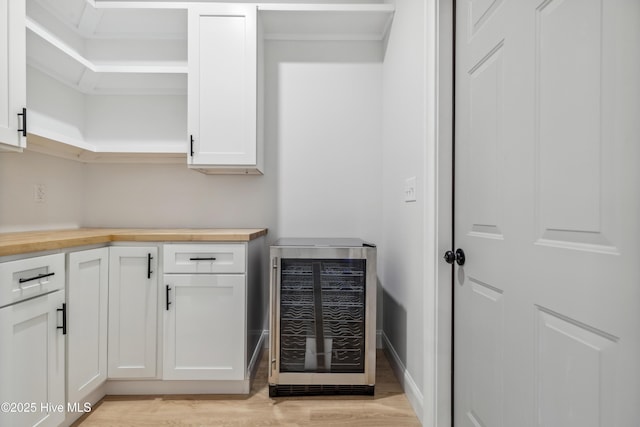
32	362
32	341
133	303
104	326
204	329
87	298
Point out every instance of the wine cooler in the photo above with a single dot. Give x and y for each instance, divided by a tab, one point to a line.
323	317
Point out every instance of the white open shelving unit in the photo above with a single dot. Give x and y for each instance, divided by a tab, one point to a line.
368	22
106	85
107	80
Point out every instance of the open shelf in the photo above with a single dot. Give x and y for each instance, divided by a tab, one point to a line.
109	64
106	85
107	80
325	21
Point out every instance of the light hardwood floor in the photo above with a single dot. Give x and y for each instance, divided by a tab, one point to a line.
389	407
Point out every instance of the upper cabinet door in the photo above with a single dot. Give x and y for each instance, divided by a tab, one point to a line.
222	86
13	74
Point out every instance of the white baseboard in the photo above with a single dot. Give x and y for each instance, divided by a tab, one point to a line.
133	387
413	393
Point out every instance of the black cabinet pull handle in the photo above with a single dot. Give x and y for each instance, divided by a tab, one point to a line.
191	145
39	276
24	122
202	259
149	258
167	292
64	318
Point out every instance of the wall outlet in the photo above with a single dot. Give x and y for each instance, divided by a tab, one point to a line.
410	189
39	193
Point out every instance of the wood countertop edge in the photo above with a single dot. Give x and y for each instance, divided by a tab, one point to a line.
38	241
190	235
51	244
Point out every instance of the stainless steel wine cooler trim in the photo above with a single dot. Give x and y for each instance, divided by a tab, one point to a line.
285	379
273	336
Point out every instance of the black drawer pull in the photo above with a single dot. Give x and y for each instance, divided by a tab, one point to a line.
64	318
167	294
39	276
202	259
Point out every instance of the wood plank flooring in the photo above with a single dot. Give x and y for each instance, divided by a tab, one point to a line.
389	407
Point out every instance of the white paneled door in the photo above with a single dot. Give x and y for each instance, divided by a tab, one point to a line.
547	207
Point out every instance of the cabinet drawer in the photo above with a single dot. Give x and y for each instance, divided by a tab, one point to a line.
29	277
209	258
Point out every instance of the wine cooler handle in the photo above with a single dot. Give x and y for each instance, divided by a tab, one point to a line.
272	331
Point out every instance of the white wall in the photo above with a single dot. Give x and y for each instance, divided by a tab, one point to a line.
323	157
322	166
150	195
64	192
343	131
128	195
402	246
324	104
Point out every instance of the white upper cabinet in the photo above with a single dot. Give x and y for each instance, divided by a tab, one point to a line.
12	75
155	81
222	88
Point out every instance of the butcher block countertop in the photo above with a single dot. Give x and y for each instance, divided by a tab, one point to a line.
45	240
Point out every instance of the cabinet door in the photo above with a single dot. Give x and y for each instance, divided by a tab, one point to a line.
87	295
133	302
13	73
32	362
222	85
204	327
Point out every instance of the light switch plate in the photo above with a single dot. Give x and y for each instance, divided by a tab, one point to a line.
410	189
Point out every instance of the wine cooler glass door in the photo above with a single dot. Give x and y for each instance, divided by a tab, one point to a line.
322	315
